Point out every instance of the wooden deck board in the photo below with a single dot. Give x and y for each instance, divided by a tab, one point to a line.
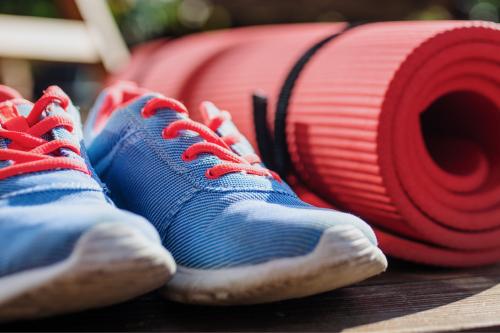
408	298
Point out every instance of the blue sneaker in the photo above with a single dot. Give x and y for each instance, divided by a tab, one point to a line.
238	233
63	245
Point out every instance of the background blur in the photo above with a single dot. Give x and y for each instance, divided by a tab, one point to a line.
143	20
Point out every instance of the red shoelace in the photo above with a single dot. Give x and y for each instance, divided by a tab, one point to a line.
27	150
213	144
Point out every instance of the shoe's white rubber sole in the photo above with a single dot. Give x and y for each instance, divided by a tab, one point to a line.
110	263
342	257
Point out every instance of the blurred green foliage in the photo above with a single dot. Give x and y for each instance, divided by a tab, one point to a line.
141	20
146	19
43	8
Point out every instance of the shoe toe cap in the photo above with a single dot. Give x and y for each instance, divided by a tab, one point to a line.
38	237
248	232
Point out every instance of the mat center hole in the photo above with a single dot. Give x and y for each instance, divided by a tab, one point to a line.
461	129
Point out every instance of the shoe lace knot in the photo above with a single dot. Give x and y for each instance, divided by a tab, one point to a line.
27	150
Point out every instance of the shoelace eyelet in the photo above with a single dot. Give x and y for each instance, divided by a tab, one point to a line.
187	158
146	113
209	174
166	136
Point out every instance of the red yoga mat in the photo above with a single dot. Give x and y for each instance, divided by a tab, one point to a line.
397	122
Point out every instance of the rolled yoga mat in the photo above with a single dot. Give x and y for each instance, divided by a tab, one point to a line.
397	122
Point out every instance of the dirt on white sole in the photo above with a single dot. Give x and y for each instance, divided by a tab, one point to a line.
111	263
343	256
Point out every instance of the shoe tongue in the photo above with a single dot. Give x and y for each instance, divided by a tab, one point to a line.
23	108
60	132
113	97
209	111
